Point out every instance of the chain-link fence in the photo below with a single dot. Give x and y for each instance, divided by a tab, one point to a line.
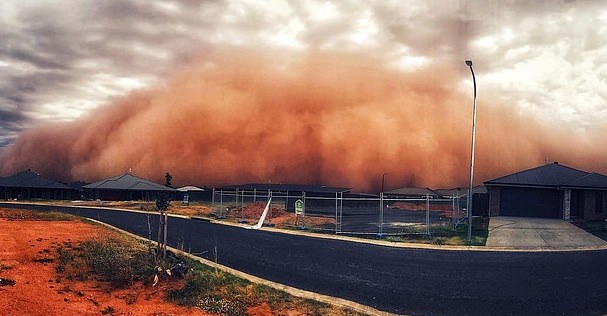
246	206
384	215
344	213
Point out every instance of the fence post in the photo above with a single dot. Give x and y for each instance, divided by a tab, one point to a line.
287	201
336	215
303	196
213	200
341	210
220	203
381	214
237	193
270	210
242	206
427	214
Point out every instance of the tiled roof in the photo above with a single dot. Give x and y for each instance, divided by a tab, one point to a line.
29	179
479	189
127	182
190	188
549	175
286	187
591	180
411	191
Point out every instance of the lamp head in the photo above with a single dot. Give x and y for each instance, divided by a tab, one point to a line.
469	62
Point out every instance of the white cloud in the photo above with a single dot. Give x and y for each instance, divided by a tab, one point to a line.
548	59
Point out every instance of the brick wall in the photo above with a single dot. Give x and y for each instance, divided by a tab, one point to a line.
494	201
590	206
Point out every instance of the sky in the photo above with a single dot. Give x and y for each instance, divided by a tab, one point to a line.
64	62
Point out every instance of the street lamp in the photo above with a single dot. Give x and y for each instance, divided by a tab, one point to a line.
469	200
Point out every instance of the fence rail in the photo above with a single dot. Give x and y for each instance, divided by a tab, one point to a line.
343	213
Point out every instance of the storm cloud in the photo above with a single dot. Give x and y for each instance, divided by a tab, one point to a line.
341	119
543	63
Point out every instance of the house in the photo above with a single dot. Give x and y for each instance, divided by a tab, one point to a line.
190	193
29	185
412	192
549	191
127	187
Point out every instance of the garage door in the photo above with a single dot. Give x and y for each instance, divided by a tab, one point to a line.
529	202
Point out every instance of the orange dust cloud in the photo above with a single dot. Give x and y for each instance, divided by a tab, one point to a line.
336	119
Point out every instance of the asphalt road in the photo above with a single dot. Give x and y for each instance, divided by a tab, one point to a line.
404	281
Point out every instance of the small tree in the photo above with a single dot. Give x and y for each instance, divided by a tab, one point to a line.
168	177
162	205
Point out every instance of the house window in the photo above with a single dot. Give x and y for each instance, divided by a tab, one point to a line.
598	202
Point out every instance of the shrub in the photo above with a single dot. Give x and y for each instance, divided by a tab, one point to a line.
273	297
214	291
118	261
64	258
439	240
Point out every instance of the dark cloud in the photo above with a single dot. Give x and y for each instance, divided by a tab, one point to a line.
50	51
11	123
64	53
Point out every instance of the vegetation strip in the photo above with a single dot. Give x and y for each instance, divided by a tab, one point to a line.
277	286
597	228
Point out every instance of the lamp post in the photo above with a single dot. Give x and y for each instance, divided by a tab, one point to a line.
381	206
469	200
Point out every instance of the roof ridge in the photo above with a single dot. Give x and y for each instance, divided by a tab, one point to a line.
546	174
529	170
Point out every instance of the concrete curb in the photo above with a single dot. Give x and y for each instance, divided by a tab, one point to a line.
352	239
336	301
394	244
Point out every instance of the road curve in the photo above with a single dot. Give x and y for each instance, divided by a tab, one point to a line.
396	280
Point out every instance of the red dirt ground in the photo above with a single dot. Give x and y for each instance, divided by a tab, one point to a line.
27	242
36	291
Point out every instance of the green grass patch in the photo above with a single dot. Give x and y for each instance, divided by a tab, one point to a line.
118	261
444	234
224	294
597	228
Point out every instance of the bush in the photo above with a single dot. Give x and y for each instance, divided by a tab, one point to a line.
273	297
439	240
117	261
212	292
64	258
194	287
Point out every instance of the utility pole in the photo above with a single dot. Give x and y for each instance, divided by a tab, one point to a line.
470	191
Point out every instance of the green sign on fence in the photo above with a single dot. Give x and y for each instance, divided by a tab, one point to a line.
299	207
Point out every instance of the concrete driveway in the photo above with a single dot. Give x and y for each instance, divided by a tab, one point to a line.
539	233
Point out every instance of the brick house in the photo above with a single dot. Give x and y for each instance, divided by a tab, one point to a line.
28	185
127	187
550	191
